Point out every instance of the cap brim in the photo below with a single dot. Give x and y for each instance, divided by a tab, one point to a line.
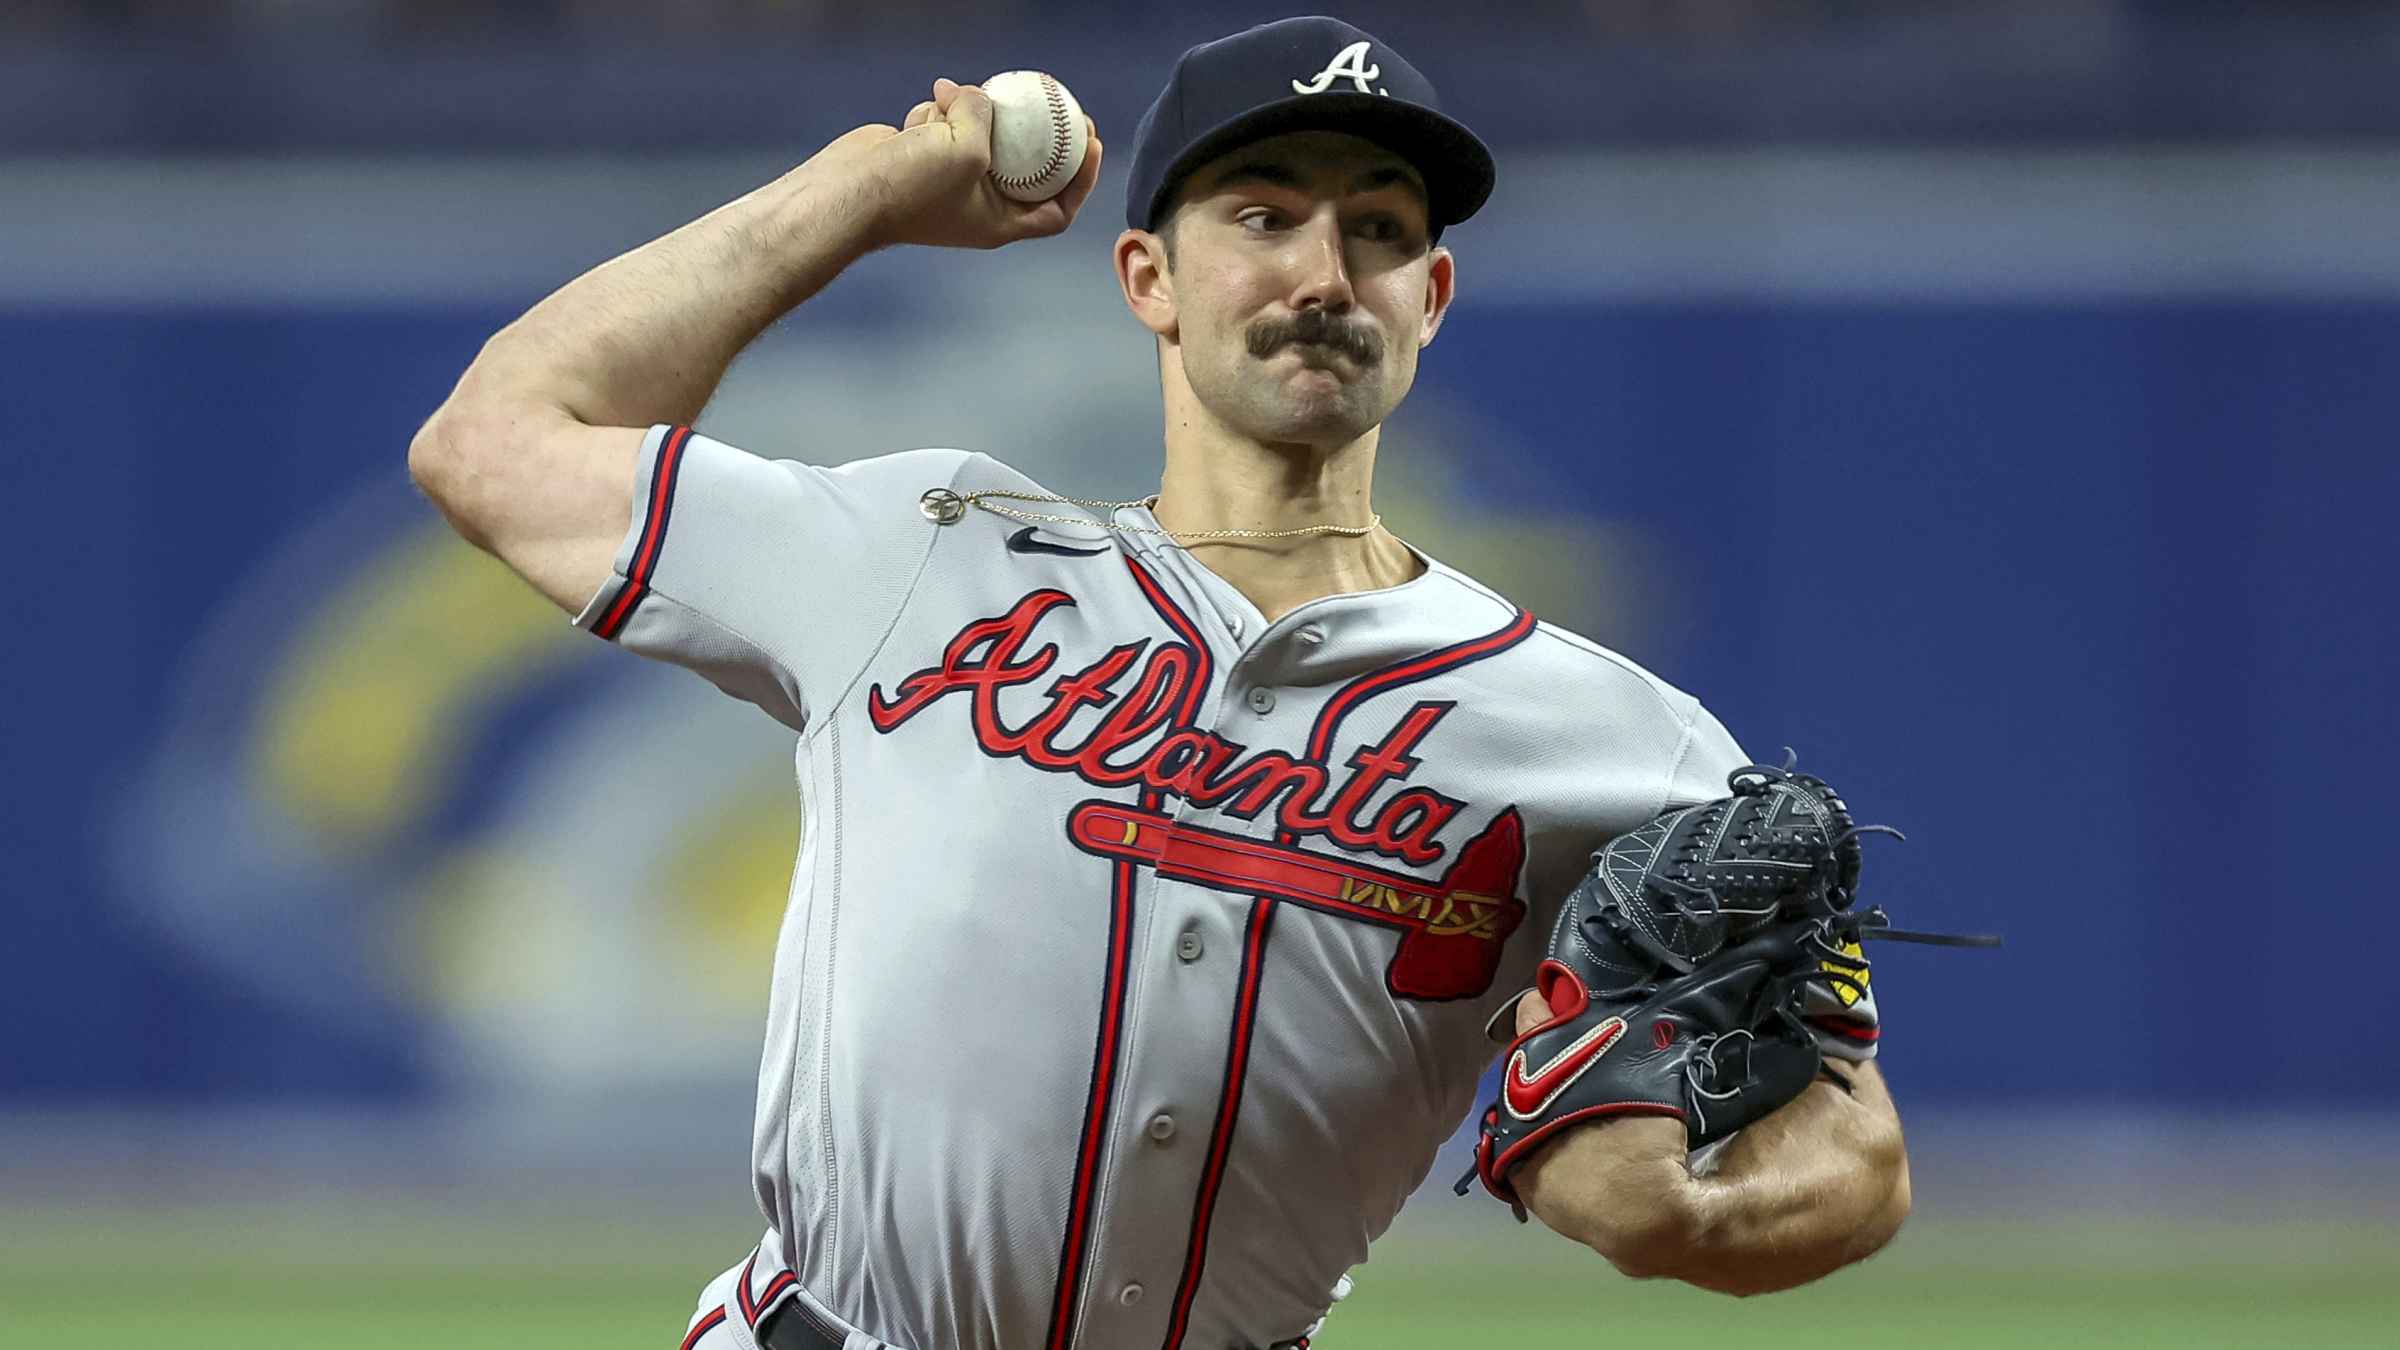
1455	163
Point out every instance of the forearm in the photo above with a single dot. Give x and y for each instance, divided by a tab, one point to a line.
646	337
1816	1185
1813	1187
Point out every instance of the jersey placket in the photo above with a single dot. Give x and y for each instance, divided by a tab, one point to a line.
1204	964
1283	694
1102	1284
1192	1000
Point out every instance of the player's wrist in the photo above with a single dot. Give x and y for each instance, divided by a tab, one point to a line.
825	214
1619	1186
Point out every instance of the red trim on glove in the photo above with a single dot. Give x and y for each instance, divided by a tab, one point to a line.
1495	1176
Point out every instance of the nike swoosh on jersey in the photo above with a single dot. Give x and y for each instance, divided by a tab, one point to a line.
1024	542
1528	1096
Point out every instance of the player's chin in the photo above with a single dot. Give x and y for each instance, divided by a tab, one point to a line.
1329	370
1299	360
1324	416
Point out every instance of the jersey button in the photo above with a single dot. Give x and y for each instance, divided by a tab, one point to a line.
1130	1295
1187	945
1310	634
1162	1127
1262	700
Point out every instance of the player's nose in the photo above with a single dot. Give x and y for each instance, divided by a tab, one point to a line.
1321	277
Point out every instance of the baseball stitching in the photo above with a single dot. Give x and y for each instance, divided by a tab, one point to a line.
1061	139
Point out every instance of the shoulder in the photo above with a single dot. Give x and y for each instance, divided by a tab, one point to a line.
682	450
1619	676
889	488
1598	706
907	475
979	471
932	466
1594	743
1561	660
1620	690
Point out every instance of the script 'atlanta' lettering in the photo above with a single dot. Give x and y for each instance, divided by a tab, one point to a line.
1203	768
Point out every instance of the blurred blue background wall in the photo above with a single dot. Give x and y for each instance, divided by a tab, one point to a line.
1994	402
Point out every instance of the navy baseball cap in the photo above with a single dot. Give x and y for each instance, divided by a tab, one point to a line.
1307	74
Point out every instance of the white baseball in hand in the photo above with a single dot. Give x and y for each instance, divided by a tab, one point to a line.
1038	136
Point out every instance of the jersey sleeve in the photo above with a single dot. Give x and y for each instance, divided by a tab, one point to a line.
773	579
1708	753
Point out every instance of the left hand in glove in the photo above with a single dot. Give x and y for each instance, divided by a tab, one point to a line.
1696	972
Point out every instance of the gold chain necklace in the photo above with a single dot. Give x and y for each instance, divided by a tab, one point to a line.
943	506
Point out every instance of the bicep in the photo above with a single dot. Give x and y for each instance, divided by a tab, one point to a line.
545	494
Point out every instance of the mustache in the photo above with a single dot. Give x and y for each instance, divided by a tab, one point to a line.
1268	336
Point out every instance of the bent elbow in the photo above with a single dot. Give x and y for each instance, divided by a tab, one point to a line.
1895	1213
441	456
430	457
441	464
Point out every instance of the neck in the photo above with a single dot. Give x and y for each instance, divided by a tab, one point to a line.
1216	480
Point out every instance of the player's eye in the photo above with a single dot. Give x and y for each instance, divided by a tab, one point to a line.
1259	221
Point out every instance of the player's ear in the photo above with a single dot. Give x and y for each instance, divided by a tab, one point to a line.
1147	280
1441	283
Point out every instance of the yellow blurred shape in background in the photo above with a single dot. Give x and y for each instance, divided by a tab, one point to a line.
732	873
1591	575
452	951
386	685
708	908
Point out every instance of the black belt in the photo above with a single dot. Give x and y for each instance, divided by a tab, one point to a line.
789	1326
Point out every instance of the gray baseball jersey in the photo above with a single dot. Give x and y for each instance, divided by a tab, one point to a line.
1139	951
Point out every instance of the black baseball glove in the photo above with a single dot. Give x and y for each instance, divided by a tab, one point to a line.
1702	970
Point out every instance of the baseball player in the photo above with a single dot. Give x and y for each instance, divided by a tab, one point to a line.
1163	862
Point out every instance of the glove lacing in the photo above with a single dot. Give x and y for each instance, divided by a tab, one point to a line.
1704	1068
1831	934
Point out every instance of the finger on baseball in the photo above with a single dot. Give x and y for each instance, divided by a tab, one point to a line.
1042	220
918	115
971	110
1086	177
